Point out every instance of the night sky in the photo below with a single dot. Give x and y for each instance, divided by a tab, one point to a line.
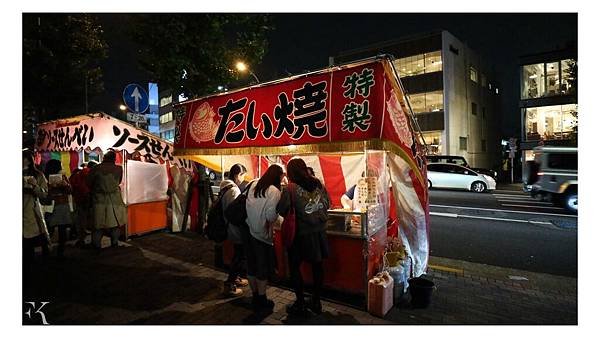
302	42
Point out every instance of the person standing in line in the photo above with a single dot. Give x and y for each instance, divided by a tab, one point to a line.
35	232
108	210
310	202
59	190
81	197
261	205
232	189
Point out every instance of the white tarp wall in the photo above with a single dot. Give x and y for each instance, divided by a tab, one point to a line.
181	181
146	182
410	213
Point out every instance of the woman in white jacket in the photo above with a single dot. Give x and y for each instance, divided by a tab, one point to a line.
231	189
261	206
35	232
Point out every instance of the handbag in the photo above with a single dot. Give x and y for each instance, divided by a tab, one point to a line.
288	227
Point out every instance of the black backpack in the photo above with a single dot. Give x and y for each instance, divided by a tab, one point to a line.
216	225
236	210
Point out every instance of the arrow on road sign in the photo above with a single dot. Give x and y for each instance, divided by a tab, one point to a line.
137	97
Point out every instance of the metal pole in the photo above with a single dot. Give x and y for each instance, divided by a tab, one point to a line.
86	93
126	190
512	169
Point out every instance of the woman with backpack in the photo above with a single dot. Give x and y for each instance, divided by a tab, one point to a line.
310	202
232	188
261	205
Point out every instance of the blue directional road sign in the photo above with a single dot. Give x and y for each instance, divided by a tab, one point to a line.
135	98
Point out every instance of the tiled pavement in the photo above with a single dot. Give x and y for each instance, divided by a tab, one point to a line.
165	278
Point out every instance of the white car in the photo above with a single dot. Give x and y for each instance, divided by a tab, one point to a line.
443	175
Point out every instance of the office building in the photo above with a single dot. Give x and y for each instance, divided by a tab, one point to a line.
451	91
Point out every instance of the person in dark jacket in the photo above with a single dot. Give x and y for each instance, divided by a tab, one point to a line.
59	190
311	202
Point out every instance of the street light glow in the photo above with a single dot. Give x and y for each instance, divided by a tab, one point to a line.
241	66
122	107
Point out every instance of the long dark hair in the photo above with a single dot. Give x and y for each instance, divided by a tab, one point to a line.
298	173
271	178
32	170
235	170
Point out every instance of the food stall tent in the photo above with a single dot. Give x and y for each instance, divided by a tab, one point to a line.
344	121
78	139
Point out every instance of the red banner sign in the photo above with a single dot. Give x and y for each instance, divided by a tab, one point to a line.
345	104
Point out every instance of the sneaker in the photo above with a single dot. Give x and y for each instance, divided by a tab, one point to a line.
241	282
297	309
232	291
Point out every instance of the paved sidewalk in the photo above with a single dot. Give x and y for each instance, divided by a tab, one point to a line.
166	278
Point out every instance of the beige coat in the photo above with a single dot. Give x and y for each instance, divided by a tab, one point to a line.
108	209
32	223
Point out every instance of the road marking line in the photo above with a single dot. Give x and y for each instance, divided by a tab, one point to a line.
518	201
512	196
443	214
540	222
502	210
514	192
445	268
530	206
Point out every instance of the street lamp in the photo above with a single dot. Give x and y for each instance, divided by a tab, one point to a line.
123	107
242	67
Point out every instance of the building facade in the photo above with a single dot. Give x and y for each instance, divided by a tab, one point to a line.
166	118
451	91
548	103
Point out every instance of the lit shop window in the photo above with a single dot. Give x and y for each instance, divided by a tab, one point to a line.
419	64
568	70
552	79
473	74
551	122
433	140
548	79
168	117
427	102
165	100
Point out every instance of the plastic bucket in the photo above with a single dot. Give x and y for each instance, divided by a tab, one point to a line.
421	290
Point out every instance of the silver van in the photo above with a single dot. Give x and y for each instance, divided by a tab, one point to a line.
553	176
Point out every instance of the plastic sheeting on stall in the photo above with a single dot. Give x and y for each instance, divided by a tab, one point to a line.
411	212
180	184
146	182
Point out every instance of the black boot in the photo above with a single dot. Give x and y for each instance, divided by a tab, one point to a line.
315	305
264	304
298	308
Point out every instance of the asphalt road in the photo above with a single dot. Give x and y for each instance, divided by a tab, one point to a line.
496	199
483	228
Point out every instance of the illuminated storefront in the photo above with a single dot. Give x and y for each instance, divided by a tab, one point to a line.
550	122
548	105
